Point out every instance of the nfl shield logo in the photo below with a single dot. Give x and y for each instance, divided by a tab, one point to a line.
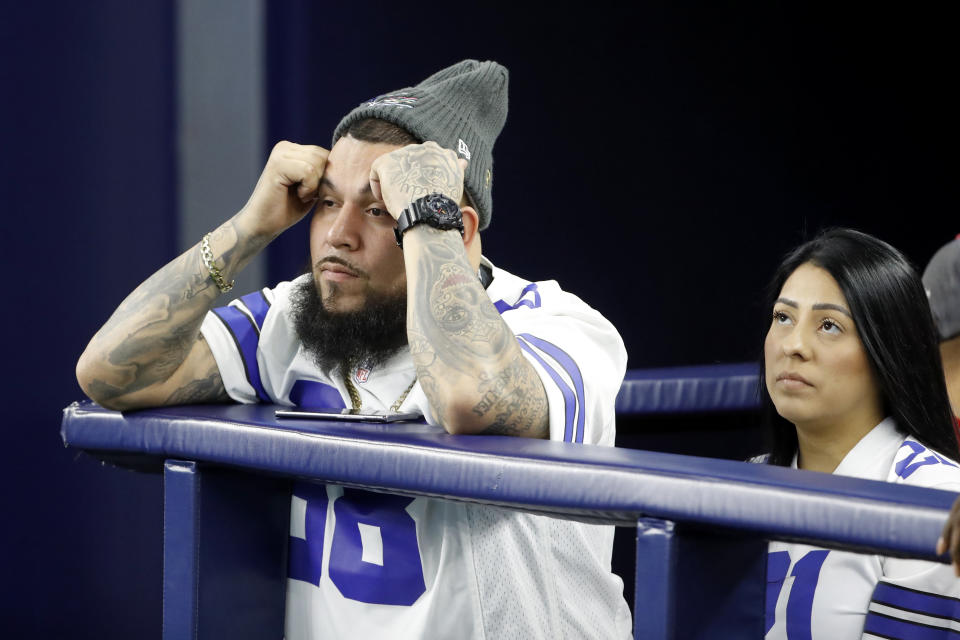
362	374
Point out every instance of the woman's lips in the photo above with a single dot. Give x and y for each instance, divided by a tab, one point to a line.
793	380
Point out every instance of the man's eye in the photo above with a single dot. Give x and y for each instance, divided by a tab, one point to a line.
377	212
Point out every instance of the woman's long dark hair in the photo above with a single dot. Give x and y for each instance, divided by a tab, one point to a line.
890	309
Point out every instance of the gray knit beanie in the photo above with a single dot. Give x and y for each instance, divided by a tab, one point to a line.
941	279
462	107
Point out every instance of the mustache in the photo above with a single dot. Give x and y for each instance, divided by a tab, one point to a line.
342	262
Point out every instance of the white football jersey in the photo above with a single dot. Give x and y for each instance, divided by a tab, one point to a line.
372	565
821	594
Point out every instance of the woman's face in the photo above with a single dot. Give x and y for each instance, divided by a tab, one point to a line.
817	372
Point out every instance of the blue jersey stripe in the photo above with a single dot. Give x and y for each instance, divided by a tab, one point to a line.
246	337
884	625
565	361
569	402
917	601
502	305
257	304
308	393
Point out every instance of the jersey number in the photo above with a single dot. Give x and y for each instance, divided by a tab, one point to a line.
806	573
374	557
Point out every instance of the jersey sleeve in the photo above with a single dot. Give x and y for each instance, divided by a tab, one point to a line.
578	355
916	598
233	333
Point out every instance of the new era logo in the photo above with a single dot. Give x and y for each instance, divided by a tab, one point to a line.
463	149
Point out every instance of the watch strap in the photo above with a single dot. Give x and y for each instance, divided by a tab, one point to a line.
420	211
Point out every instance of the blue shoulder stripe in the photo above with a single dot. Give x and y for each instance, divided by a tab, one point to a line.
569	402
502	305
930	604
570	366
246	337
890	627
258	305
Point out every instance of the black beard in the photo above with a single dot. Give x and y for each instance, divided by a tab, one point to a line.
368	336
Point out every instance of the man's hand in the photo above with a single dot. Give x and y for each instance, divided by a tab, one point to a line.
401	176
950	538
286	190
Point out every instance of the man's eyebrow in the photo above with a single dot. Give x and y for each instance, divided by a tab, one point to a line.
326	183
835	307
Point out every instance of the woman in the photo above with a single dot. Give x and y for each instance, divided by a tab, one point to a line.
854	386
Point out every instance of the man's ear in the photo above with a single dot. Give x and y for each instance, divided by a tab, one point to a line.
471	235
471	221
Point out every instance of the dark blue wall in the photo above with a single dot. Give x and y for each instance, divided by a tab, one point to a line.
88	205
656	161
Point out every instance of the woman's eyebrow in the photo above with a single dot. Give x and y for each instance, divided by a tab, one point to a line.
817	307
834	307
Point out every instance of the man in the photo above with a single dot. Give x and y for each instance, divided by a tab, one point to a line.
399	312
941	278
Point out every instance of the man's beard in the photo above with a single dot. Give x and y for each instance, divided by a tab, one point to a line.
368	336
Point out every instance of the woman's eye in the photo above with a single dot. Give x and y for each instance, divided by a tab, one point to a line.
779	317
830	326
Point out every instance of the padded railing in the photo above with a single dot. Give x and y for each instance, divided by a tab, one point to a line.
704	389
702	523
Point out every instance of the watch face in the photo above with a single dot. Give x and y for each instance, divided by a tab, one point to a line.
445	209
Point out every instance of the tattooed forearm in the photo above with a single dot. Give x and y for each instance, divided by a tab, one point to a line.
509	398
152	332
209	389
467	358
454	316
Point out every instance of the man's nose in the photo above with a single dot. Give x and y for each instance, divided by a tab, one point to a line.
345	231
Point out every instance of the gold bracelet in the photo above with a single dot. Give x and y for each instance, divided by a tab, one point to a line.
206	254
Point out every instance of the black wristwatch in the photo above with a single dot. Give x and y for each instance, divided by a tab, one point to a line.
435	209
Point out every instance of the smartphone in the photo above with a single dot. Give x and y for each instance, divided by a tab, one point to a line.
346	414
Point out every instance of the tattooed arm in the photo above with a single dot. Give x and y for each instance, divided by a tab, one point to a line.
150	352
467	359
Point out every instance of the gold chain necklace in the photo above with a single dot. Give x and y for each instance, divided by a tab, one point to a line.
355	394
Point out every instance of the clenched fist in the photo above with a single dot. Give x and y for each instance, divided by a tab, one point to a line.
401	176
287	188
